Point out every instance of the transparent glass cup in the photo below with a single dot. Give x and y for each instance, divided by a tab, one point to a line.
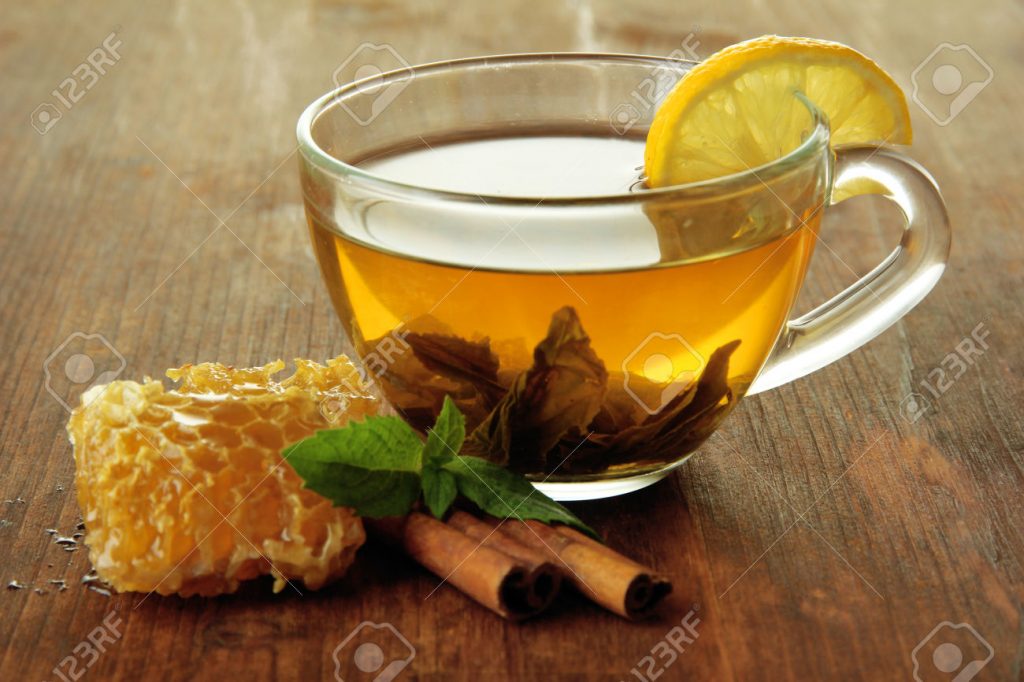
594	342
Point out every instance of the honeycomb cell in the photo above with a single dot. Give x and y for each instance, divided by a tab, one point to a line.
185	491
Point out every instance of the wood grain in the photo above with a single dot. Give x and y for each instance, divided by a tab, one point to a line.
820	534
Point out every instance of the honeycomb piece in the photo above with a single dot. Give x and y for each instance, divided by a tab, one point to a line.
158	471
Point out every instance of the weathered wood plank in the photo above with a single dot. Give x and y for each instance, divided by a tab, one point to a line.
820	533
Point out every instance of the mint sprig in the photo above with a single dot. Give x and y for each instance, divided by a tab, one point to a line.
380	467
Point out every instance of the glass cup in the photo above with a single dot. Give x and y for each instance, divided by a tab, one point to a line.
595	341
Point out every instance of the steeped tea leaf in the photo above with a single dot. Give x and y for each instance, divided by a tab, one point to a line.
439	365
460	360
558	396
563	412
682	424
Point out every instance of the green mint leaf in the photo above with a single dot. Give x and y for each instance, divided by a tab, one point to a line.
372	494
445	440
439	489
377	443
380	467
504	494
372	466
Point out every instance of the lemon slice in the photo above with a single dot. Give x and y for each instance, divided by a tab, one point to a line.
739	109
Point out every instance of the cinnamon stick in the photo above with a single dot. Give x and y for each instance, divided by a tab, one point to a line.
493	578
604	576
544	579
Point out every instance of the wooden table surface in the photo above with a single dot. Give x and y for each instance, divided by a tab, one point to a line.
821	534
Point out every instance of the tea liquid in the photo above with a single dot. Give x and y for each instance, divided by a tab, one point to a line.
653	323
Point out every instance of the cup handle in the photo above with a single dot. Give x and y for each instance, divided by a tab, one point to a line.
887	293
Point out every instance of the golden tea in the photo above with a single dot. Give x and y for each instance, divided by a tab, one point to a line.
611	351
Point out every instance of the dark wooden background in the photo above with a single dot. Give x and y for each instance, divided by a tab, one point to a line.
820	534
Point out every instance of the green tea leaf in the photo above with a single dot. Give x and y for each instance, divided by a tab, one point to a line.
504	494
372	466
444	440
439	489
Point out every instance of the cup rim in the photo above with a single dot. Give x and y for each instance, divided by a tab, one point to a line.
758	176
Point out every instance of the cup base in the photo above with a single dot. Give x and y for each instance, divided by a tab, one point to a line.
596	490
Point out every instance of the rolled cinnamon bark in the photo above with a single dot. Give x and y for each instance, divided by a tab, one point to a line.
601	574
544	579
493	578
